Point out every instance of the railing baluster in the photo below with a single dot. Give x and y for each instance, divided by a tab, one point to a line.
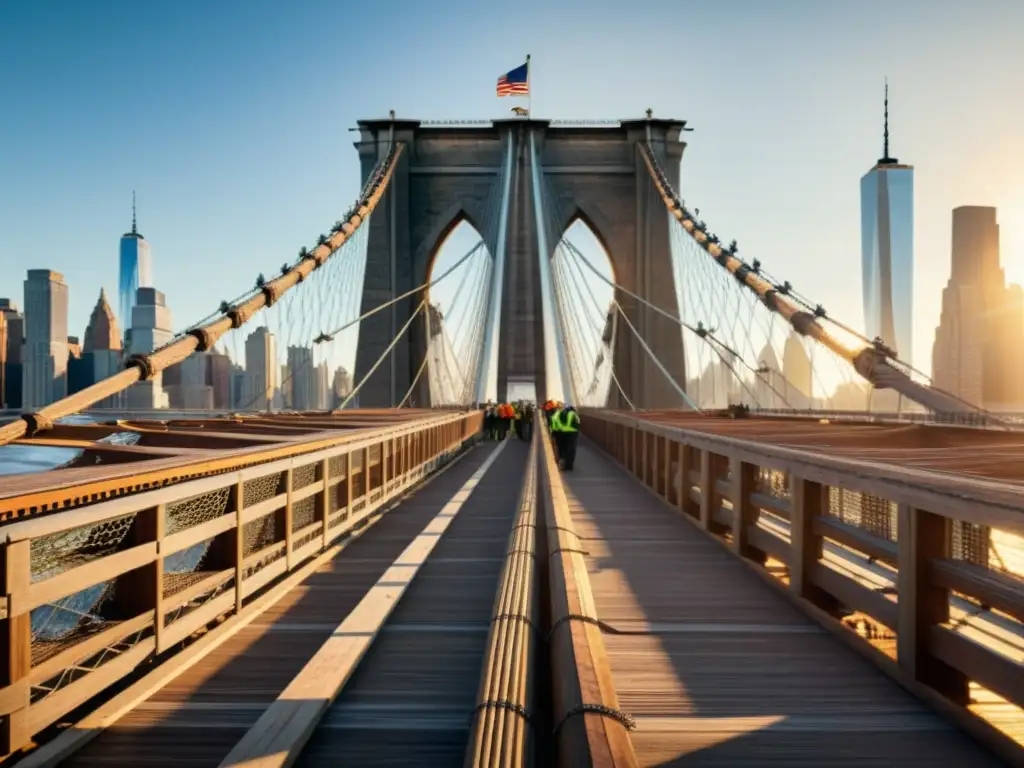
16	643
805	545
922	604
744	513
288	516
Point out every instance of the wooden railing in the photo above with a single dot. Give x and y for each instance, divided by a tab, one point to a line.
93	593
897	545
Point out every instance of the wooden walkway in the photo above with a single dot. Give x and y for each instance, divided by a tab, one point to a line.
411	700
719	670
413	694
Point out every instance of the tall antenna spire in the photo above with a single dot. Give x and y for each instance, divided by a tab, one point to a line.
886	160
135	230
885	152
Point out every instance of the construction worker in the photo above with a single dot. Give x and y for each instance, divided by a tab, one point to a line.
490	422
566	426
526	422
504	417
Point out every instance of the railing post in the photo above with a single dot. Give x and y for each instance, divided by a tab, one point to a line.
142	589
645	461
16	643
922	537
239	542
348	485
367	476
744	514
806	500
709	498
288	516
325	500
685	502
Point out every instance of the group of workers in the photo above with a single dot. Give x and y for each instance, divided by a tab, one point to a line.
500	418
563	422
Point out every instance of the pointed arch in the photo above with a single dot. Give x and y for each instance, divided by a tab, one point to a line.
445	223
596	222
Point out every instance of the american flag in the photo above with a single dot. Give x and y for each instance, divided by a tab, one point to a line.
516	82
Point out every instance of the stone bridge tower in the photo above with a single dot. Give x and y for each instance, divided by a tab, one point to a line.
451	173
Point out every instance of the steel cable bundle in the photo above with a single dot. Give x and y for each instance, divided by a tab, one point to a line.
501	731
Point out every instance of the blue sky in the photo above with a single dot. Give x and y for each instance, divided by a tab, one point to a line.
231	121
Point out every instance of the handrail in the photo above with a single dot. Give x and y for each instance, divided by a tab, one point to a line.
590	728
255	524
934	603
971	499
67	489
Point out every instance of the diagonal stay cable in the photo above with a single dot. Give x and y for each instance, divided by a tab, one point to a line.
425	286
657	362
383	356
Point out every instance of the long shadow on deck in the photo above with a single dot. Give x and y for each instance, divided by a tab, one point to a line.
197	718
718	669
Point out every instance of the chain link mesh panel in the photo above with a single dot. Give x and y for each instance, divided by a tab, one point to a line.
260	489
773	483
871	514
196	510
303	476
303	513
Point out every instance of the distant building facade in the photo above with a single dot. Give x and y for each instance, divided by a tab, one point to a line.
887	250
261	371
11	367
44	372
101	351
135	270
301	387
150	329
978	354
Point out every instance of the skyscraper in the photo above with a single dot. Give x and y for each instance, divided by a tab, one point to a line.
302	375
101	349
151	329
44	373
136	270
14	354
261	371
887	249
979	344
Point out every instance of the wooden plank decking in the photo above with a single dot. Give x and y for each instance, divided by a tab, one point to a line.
411	700
197	718
717	669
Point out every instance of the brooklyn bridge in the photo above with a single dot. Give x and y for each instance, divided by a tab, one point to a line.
735	573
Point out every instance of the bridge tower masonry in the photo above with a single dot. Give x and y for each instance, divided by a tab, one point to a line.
450	174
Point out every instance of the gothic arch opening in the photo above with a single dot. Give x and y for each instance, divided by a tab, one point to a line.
457	311
582	270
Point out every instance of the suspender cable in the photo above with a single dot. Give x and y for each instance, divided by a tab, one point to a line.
544	255
654	357
424	287
497	276
383	356
423	365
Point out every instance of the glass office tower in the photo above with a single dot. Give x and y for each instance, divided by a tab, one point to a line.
136	271
887	250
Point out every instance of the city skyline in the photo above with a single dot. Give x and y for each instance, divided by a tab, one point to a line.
176	138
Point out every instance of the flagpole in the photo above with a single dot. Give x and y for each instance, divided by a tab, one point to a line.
529	90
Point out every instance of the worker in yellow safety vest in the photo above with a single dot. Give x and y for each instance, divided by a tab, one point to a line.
565	426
